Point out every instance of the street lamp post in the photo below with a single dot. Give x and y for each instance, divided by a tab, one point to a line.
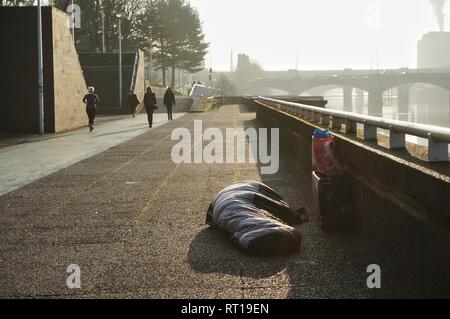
40	70
119	15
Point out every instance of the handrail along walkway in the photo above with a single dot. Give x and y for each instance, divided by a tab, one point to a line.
438	137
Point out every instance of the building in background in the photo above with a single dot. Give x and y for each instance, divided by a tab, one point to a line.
433	50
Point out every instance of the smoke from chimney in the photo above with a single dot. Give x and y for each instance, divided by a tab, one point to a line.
439	12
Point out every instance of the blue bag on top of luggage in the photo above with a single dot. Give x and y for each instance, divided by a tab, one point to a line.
319	133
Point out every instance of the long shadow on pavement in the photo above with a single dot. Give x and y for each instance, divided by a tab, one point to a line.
123	131
211	251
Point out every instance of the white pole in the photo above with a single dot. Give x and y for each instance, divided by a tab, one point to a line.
73	23
120	62
150	64
40	71
103	31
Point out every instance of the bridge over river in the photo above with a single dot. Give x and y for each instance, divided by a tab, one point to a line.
374	82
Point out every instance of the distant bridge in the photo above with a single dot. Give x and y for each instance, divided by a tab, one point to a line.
373	82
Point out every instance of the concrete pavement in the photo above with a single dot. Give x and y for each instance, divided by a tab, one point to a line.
27	162
134	222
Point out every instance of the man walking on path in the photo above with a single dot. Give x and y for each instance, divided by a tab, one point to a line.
133	102
150	105
91	100
169	102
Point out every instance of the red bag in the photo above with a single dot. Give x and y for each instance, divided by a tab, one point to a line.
324	156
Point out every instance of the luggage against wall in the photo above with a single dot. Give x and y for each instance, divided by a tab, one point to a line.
333	201
332	191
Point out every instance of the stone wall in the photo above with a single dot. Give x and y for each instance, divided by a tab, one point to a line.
69	83
64	83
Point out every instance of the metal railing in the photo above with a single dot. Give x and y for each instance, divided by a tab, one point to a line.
438	137
135	70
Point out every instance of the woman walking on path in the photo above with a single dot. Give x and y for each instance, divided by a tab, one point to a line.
91	100
133	102
169	102
150	105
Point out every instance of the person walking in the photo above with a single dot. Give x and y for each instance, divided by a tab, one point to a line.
169	102
133	102
150	105
91	100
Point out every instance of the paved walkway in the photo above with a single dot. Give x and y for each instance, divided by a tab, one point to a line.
24	163
134	222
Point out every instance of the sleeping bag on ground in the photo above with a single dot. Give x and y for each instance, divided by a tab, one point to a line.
257	218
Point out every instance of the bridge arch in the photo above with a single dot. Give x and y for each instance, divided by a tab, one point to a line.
374	84
348	93
409	82
337	84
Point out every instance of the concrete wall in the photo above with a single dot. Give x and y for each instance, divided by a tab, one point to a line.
101	70
69	83
402	211
18	72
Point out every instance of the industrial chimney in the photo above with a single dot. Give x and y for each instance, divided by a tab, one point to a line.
439	12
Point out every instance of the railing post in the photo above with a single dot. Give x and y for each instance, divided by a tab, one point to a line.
437	152
291	109
350	126
396	140
301	113
316	117
324	119
335	123
369	132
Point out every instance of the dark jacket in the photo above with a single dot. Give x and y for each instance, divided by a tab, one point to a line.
169	98
150	101
133	100
91	100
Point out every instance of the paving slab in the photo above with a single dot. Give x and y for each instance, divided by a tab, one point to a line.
41	157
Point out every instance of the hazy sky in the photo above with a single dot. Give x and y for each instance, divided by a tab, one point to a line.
324	34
